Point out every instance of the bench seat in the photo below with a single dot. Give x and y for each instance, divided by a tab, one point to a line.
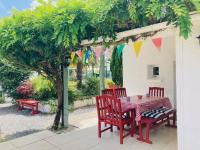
154	118
33	104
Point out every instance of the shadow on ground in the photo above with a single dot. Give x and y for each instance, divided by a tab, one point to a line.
21	134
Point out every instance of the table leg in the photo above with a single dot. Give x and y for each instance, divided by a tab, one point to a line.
140	138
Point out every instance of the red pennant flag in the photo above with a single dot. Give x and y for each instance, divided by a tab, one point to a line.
157	42
80	54
98	51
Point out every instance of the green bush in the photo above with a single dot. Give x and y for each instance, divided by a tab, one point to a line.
2	100
91	87
73	92
43	88
116	67
53	104
11	77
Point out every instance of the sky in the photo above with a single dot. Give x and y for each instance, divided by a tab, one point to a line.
7	5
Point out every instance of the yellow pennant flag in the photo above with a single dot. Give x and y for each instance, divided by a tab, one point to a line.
72	56
137	47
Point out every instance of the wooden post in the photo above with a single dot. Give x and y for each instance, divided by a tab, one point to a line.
102	71
66	102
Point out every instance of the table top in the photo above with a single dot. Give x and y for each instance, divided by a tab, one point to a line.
144	104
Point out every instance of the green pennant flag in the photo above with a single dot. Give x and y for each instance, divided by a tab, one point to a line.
120	49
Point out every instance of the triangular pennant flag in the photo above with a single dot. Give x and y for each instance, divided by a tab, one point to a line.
99	50
120	49
108	53
72	56
80	54
157	42
87	55
137	47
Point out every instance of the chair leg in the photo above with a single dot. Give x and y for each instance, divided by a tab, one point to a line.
111	128
132	129
132	124
99	129
121	134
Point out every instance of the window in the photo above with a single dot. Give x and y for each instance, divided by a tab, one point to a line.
153	72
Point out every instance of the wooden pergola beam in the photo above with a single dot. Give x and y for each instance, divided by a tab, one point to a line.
128	34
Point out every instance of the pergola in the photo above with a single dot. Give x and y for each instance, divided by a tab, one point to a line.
121	38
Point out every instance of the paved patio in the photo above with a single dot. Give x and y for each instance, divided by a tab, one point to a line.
15	124
86	139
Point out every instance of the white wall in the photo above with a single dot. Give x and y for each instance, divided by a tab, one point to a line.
188	89
135	69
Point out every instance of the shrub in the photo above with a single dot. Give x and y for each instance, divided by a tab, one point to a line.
53	104
43	88
2	100
116	67
25	90
91	87
73	92
11	77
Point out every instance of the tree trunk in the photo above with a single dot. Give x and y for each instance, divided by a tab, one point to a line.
59	86
102	72
79	74
62	122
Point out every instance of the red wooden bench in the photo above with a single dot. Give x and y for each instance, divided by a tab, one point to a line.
33	104
154	118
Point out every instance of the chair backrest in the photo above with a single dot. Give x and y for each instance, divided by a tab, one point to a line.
109	109
117	92
156	91
109	92
120	92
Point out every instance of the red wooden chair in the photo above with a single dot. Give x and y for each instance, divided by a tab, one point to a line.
156	91
110	112
117	92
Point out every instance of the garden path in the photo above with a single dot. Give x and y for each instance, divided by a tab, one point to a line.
14	124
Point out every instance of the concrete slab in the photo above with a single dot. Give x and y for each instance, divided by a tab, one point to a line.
40	145
163	138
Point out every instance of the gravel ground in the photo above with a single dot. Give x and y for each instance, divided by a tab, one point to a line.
14	124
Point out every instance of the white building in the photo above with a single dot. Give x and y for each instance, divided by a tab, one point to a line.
179	73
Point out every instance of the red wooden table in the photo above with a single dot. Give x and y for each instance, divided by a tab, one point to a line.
33	104
144	104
